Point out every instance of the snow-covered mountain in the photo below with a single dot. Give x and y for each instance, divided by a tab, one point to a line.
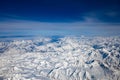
65	58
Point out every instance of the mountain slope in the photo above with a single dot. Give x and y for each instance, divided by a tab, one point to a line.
67	58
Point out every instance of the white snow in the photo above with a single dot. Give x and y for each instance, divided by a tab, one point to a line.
70	58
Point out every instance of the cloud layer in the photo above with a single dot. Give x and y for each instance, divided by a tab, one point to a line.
90	26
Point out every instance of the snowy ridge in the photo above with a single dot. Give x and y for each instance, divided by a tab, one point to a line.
67	58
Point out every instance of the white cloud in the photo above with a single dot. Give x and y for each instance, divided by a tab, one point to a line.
112	14
91	20
88	26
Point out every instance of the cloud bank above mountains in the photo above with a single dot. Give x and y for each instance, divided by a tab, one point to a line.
90	26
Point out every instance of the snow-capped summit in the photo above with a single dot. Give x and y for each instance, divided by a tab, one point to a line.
61	58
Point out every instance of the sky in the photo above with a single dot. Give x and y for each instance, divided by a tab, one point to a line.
59	17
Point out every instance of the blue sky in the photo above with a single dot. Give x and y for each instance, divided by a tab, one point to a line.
59	17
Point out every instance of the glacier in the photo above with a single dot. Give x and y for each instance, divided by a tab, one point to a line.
61	58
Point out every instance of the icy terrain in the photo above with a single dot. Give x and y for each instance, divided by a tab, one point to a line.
67	58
